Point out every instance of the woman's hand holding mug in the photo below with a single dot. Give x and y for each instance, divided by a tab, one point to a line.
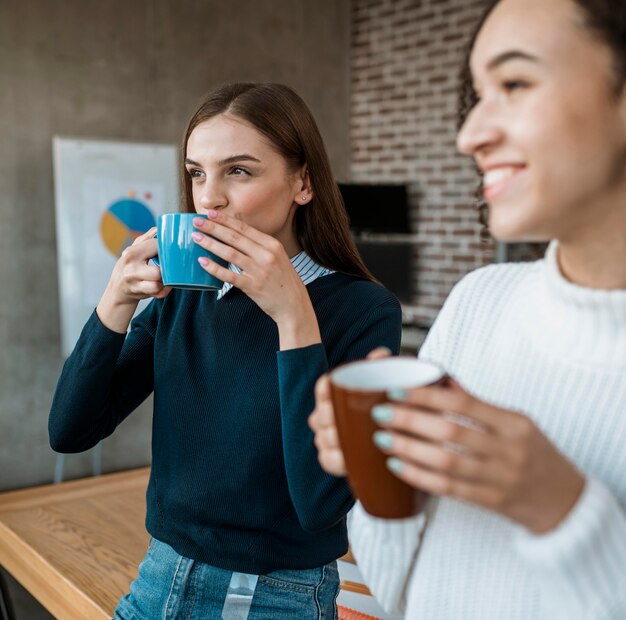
491	457
133	279
497	459
322	423
267	277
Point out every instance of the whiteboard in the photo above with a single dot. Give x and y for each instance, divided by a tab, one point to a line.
106	194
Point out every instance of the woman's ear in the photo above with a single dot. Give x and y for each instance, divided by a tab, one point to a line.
304	191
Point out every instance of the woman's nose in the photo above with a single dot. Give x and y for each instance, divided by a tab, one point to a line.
480	130
212	197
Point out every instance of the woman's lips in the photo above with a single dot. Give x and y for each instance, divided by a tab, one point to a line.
497	179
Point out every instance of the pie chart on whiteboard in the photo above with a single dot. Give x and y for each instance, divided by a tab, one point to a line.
124	221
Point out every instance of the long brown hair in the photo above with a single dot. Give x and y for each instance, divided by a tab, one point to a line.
321	226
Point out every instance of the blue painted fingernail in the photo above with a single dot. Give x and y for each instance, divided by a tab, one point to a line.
196	236
397	394
382	413
383	440
395	465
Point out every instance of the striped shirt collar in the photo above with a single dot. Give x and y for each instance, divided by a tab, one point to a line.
305	267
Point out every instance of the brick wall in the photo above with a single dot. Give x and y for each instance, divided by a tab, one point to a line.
404	68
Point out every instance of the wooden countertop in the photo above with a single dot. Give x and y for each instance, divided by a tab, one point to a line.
76	546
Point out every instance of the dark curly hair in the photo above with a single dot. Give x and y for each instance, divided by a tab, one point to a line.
605	20
467	99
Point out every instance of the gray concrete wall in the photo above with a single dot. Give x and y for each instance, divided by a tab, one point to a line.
122	70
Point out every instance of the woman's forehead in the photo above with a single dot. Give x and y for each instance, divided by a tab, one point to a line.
536	27
552	32
226	131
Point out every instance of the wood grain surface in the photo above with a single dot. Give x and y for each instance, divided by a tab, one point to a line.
76	546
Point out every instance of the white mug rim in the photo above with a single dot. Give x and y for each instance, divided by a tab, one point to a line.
398	372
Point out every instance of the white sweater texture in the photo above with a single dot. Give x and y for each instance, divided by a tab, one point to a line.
523	338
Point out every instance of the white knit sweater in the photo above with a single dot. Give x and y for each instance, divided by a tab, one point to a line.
523	338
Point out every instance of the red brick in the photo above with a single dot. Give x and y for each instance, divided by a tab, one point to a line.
405	64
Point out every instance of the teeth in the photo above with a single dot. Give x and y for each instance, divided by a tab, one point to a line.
497	175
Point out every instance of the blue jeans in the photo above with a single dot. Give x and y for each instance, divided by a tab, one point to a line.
171	587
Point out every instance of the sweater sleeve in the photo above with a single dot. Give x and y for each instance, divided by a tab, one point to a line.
581	565
321	500
385	551
104	379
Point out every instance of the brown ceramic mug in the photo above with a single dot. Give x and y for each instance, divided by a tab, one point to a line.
355	388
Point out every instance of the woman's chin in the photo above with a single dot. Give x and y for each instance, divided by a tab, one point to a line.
507	229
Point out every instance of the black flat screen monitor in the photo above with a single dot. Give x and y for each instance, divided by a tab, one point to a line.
376	208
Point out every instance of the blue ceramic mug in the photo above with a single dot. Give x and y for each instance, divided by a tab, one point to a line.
179	253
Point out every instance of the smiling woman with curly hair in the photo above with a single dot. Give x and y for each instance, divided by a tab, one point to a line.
527	516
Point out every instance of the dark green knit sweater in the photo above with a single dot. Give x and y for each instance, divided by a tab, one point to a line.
235	480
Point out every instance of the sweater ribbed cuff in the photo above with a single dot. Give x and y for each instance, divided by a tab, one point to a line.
384	550
97	341
582	563
95	322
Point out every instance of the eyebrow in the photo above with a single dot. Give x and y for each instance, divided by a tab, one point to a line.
229	160
500	59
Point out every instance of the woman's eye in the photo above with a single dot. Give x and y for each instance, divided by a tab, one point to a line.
238	171
194	173
511	86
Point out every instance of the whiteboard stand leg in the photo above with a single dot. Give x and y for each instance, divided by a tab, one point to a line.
97	459
58	468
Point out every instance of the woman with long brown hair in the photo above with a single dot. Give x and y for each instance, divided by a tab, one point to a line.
244	522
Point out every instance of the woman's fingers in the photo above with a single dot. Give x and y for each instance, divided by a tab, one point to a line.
223	273
234	233
220	239
147	288
379	353
458	401
147	235
469	410
326	438
267	275
164	292
447	442
332	462
322	389
140	269
439	483
229	228
445	459
228	253
437	427
323	415
142	249
238	243
329	452
142	278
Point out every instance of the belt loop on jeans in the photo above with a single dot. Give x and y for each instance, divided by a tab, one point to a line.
239	596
